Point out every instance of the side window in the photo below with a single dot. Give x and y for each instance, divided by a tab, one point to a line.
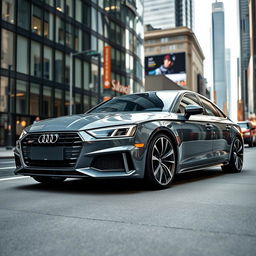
210	109
188	99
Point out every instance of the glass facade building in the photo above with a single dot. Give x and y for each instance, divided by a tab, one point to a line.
219	64
37	37
245	55
163	14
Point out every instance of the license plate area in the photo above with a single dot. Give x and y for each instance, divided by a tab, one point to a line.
49	153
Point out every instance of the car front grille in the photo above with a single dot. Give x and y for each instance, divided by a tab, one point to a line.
69	144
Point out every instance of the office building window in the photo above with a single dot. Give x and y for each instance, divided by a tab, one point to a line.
59	67
59	30
3	94
94	42
86	75
78	103
60	5
7	51
8	10
86	103
48	25
86	15
47	101
78	39
67	69
34	99
23	13
78	73
93	19
86	41
36	23
22	55
36	66
69	7
58	102
67	103
78	10
100	23
47	63
50	2
21	97
69	35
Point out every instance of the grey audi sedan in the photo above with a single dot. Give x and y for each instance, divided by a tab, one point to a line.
151	136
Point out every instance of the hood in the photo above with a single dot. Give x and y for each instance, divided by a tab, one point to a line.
92	121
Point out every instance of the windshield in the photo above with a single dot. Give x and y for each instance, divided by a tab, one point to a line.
244	125
142	102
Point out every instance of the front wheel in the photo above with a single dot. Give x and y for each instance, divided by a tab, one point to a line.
161	163
48	180
236	160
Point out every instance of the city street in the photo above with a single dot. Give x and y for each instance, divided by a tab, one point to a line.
202	213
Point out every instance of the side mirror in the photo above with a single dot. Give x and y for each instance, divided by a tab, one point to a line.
193	110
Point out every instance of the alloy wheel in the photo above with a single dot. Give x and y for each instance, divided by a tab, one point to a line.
238	154
163	160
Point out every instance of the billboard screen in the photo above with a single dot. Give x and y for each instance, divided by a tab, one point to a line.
172	65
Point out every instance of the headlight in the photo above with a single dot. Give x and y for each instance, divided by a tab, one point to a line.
116	131
22	134
247	133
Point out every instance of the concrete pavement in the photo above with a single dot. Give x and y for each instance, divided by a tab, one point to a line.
6	153
203	213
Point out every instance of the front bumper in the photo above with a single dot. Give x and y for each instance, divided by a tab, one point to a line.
98	158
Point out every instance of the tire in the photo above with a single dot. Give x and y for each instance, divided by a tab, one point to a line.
48	180
235	164
161	162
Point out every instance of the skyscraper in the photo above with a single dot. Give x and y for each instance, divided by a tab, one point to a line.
244	53
252	62
169	13
219	73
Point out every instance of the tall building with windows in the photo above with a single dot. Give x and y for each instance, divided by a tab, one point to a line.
37	37
244	55
252	62
163	14
219	64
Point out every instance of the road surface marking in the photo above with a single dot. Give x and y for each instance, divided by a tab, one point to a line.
10	162
13	167
14	178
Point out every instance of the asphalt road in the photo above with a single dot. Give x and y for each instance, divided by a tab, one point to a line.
203	213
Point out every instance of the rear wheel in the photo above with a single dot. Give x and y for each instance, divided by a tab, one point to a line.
161	163
236	160
49	180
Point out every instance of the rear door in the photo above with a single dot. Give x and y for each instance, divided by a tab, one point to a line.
221	131
195	135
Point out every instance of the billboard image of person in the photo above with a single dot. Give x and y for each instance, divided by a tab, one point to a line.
166	67
172	65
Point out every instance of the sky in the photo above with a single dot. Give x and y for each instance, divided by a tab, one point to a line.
202	29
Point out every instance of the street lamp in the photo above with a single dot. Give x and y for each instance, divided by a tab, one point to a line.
88	53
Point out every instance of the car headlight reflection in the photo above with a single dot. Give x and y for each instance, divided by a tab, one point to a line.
22	134
114	132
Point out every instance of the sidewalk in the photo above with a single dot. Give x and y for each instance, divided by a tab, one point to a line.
4	153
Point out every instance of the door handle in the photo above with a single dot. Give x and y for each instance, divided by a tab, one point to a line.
209	126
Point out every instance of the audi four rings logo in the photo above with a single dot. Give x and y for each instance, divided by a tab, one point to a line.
48	138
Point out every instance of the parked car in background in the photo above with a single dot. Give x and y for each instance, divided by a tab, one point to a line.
249	132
